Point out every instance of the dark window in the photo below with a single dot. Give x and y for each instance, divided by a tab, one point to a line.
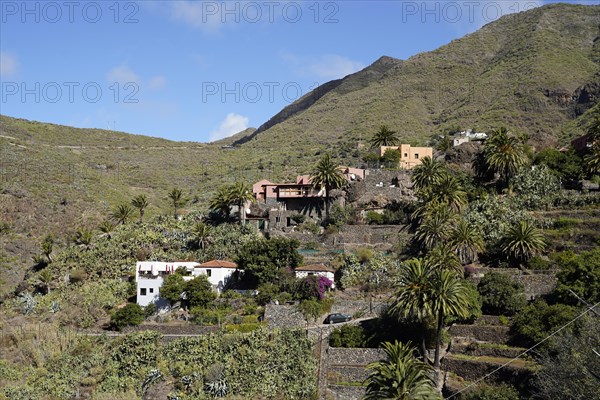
405	155
209	273
142	291
151	290
416	155
289	221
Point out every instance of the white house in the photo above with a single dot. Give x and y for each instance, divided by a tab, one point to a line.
316	269
150	275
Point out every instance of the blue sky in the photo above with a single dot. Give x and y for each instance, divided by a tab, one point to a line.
203	70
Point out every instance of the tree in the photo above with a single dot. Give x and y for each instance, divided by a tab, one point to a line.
261	260
488	392
572	371
327	175
428	173
522	241
239	194
177	200
45	278
466	241
106	227
427	291
449	297
504	154
435	227
201	233
131	314
172	288
198	291
83	237
47	247
592	160
449	191
400	376
444	256
580	274
500	294
384	137
221	201
122	214
141	203
391	157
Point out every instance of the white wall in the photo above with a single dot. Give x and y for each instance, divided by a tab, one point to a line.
304	274
218	276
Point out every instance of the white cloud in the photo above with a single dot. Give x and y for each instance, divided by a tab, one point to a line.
197	14
123	74
8	64
324	67
232	124
157	82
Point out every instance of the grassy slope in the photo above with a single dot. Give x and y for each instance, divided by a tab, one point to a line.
54	179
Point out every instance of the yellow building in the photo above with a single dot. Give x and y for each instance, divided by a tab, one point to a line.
410	156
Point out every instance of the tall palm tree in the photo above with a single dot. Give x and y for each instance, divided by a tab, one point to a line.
327	175
177	199
466	241
400	376
435	226
122	214
412	295
504	154
384	137
449	297
140	202
448	190
239	194
522	241
444	256
428	173
221	201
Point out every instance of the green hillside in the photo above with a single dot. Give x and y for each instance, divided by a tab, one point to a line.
536	72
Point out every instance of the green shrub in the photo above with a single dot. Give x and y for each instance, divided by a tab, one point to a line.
348	336
500	294
374	218
538	263
242	328
489	392
131	314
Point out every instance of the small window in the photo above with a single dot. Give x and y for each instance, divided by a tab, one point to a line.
405	155
289	221
416	156
142	291
277	219
151	290
209	273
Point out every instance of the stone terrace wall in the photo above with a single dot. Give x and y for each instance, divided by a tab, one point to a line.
283	316
492	334
352	307
344	356
183	329
535	285
472	370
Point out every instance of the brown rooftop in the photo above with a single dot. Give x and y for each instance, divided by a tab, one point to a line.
218	264
315	267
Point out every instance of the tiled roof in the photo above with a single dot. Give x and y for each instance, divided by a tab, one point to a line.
315	267
218	264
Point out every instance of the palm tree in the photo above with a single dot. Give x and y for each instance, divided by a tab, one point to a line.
428	173
106	227
177	199
466	241
444	256
522	241
122	214
504	154
45	278
221	201
412	298
449	297
448	190
384	137
239	194
435	226
83	237
140	202
592	160
327	175
201	233
400	376
47	247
